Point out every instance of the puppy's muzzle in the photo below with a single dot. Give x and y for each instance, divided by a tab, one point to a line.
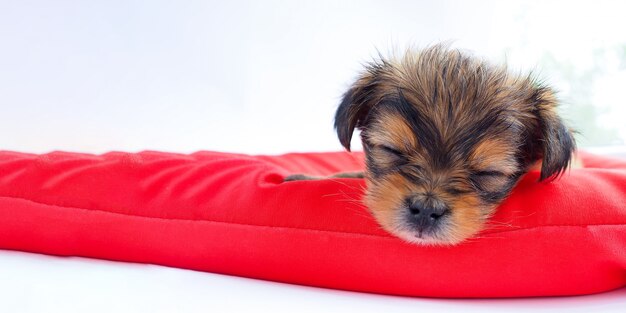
426	215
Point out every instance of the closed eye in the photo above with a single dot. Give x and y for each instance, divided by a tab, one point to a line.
456	191
391	150
489	180
488	173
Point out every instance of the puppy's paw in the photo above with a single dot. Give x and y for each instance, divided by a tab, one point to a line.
295	177
349	175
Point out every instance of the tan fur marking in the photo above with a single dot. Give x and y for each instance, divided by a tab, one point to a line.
494	154
393	130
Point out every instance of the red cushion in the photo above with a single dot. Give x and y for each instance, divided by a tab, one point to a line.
232	214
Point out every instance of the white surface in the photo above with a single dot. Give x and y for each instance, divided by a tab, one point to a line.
39	283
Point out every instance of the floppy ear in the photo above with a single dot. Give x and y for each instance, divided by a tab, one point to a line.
355	106
555	141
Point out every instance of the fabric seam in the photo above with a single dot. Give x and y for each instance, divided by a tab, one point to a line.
289	227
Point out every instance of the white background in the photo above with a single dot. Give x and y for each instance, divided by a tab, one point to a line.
253	77
257	76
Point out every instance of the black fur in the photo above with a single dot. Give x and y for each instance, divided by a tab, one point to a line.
355	106
346	118
556	142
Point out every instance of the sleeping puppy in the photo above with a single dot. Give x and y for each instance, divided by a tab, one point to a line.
446	137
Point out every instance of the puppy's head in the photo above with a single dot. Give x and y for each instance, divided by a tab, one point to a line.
446	137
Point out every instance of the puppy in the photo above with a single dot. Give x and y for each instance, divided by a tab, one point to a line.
446	136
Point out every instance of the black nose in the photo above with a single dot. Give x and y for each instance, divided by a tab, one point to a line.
426	215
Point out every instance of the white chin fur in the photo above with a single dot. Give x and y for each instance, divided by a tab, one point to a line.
424	240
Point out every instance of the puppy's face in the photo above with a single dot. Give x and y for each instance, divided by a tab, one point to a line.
446	137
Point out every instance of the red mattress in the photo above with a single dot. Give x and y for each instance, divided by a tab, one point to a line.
232	214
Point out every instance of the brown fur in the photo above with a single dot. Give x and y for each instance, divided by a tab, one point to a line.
441	128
